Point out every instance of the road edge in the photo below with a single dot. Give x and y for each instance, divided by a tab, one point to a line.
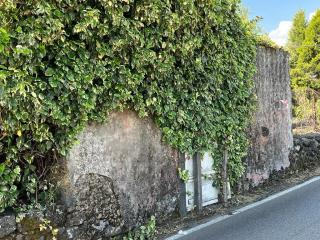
183	233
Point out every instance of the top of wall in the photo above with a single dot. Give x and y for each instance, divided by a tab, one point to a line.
274	50
265	41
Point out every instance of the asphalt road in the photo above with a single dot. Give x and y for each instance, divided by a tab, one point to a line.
293	216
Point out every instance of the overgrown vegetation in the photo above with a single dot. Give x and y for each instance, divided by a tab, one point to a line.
266	41
145	232
188	64
304	47
183	174
262	38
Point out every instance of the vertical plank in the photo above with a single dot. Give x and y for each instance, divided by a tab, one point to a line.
183	193
197	181
225	176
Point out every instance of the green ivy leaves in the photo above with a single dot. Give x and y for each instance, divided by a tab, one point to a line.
8	189
4	39
186	63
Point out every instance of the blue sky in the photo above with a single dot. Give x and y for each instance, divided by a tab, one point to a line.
277	14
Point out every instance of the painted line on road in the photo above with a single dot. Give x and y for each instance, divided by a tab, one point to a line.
181	233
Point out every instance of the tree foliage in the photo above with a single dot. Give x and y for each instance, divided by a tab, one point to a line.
296	36
305	62
307	70
186	63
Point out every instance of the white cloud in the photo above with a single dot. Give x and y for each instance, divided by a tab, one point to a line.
311	15
280	34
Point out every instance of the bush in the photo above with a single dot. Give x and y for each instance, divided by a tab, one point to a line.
186	63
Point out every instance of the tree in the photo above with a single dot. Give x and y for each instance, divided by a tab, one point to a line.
296	35
306	72
309	52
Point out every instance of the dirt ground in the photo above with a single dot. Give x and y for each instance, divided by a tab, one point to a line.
277	182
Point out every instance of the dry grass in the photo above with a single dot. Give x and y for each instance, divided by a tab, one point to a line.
305	130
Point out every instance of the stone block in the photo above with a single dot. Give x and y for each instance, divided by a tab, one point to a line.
7	225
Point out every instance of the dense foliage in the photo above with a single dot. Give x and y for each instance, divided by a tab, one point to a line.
186	63
266	41
307	72
305	62
296	36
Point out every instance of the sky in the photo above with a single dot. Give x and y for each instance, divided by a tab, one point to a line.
277	15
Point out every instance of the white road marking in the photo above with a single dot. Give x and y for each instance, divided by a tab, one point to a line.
183	233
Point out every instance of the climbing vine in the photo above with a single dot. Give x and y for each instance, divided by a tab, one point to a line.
187	63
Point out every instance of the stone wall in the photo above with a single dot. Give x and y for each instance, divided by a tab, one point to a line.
305	154
121	172
271	134
27	227
119	175
306	151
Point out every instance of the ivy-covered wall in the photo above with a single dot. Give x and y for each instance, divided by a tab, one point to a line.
63	63
121	172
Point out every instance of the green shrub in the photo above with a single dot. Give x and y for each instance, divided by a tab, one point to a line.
186	63
266	41
145	232
305	72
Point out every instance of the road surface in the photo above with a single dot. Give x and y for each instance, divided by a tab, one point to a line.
293	216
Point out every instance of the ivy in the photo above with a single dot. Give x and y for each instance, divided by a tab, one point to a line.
266	41
186	63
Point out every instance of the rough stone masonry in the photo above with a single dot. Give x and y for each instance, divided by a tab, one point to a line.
271	130
119	175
